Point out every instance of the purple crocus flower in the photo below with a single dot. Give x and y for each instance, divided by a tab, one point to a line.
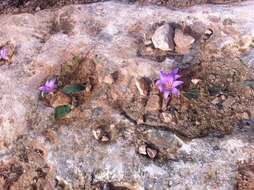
49	86
168	83
3	54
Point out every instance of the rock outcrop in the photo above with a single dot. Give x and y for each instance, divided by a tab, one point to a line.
106	143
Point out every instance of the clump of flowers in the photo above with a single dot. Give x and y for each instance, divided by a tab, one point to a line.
168	83
49	86
3	54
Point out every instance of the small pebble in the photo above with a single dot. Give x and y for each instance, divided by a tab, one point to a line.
88	87
216	101
183	42
152	153
108	79
154	103
208	34
104	139
167	117
97	133
142	149
140	120
38	8
228	102
195	81
163	38
142	86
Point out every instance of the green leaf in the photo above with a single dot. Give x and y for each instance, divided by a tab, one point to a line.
192	94
73	89
249	83
61	111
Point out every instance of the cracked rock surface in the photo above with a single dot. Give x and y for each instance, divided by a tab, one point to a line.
37	152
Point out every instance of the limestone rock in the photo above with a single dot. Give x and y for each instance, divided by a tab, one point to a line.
183	41
142	86
73	157
163	38
152	153
154	103
142	150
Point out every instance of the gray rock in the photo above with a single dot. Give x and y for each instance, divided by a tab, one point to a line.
183	42
142	86
153	103
163	38
69	151
142	149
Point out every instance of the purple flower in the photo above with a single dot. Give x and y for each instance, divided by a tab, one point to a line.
3	54
49	86
168	83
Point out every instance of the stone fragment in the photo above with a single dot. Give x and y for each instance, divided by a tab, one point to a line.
148	42
152	153
215	101
153	104
163	38
89	87
244	116
59	99
223	97
228	102
183	42
140	120
37	9
101	135
108	79
246	42
97	133
142	86
167	117
208	34
142	149
195	81
247	92
104	138
165	142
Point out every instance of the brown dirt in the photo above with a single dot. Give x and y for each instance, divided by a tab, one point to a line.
212	106
245	177
27	169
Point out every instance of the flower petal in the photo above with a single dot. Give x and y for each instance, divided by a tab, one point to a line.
169	79
3	54
175	71
176	92
177	83
51	83
47	83
177	76
158	82
42	88
161	87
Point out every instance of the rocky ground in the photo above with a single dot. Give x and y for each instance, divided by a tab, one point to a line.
31	6
107	126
